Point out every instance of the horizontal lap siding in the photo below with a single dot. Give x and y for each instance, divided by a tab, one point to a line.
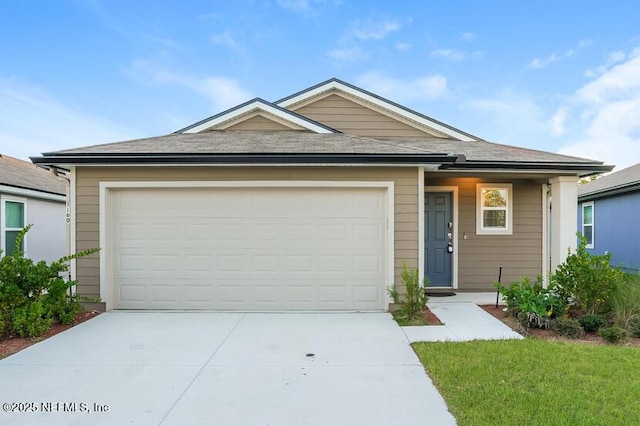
480	256
259	123
354	119
87	202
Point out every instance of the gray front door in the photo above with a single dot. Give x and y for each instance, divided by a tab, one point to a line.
438	244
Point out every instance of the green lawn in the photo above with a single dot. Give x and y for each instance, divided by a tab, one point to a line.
535	382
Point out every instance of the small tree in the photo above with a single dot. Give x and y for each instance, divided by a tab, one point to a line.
414	300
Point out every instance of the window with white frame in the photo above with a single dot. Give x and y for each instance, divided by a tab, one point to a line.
587	223
12	223
494	214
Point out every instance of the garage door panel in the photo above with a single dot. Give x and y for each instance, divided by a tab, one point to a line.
248	249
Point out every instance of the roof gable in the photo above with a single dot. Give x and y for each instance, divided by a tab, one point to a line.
379	104
251	109
351	115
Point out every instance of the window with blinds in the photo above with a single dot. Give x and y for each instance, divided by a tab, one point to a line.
13	224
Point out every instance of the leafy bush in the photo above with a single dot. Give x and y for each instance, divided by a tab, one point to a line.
568	327
31	319
4	329
36	292
532	303
586	279
634	326
592	322
613	334
414	300
624	302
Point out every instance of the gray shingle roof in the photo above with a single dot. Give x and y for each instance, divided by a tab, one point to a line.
21	174
621	181
250	142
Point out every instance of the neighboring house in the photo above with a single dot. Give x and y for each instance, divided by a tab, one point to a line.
312	202
607	211
32	195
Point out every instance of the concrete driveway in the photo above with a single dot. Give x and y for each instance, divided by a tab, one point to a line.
222	369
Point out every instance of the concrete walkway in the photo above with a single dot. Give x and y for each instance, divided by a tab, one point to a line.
463	320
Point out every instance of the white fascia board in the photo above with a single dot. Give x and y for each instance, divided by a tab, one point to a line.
260	106
30	193
379	102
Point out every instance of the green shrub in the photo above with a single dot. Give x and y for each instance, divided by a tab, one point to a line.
568	327
613	334
35	291
4	329
31	320
592	322
588	280
634	326
414	300
532	304
65	310
624	302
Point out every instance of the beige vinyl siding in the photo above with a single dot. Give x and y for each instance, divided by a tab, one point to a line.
354	119
480	256
260	123
87	202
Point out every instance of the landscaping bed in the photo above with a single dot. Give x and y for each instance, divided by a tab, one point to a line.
13	344
547	334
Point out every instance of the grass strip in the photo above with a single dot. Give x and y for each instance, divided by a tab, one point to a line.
535	382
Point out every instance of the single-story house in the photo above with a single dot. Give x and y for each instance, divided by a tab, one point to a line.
312	202
607	209
32	195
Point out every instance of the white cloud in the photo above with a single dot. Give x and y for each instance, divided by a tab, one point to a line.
607	111
33	121
403	47
222	92
348	54
468	36
305	8
558	121
400	90
302	7
612	59
350	48
541	63
225	39
455	55
374	29
507	116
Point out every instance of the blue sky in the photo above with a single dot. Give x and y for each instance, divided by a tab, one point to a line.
561	76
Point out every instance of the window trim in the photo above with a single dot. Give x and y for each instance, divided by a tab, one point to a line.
480	229
592	224
3	224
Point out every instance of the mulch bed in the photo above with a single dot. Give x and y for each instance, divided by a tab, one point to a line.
591	338
430	317
15	344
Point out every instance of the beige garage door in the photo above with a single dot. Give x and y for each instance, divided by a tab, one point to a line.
248	249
